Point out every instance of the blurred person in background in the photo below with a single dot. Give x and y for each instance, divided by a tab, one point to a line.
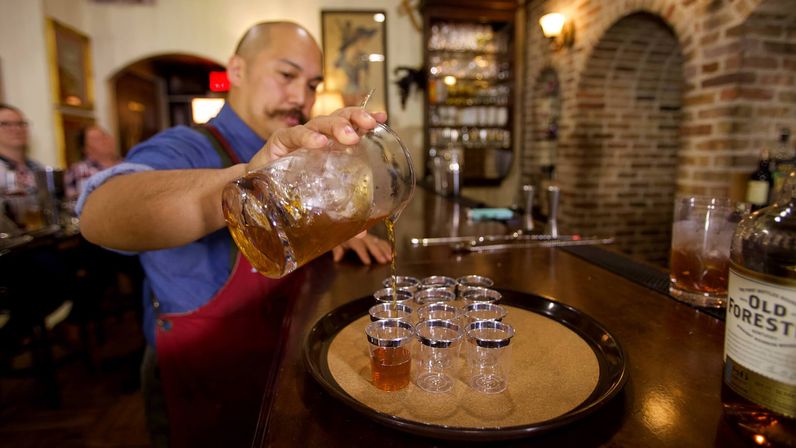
99	152
16	169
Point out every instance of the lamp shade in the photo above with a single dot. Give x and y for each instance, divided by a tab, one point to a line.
326	102
552	24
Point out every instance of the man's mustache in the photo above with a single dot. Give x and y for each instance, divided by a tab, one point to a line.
294	113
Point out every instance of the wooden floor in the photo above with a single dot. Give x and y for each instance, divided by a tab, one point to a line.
101	407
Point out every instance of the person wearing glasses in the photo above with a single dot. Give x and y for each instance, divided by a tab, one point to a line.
16	169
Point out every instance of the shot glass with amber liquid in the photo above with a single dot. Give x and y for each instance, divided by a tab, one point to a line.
390	353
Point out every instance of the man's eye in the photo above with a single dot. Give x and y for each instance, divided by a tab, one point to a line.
287	75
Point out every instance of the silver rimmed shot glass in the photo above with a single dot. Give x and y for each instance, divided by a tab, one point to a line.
438	281
441	311
488	355
436	354
390	353
478	294
434	295
402	296
472	281
402	282
387	310
484	311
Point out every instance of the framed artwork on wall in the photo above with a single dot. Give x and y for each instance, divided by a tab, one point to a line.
355	56
70	66
70	127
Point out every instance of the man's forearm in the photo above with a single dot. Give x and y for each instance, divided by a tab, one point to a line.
156	209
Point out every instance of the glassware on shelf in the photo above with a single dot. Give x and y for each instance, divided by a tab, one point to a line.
485	66
486	116
467	37
474	137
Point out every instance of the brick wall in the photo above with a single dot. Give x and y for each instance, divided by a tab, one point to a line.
658	97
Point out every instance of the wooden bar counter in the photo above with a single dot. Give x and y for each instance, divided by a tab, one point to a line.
674	352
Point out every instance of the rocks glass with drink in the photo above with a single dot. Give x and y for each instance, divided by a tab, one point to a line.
701	235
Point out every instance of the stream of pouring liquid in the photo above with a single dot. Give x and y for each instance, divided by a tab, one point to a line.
389	222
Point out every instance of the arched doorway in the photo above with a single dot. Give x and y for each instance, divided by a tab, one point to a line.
155	93
620	163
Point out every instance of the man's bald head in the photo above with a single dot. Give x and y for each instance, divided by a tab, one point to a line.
264	34
273	76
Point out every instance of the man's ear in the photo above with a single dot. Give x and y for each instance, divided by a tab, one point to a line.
235	70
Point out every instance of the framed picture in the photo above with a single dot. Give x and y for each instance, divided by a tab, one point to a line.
71	125
70	66
355	56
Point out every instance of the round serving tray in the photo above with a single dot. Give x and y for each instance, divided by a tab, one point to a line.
610	357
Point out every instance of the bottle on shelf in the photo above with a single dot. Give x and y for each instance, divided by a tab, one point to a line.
759	379
758	186
783	161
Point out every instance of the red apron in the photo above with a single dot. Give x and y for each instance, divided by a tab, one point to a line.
215	362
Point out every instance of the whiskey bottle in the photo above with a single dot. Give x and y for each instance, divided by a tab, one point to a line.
759	184
759	387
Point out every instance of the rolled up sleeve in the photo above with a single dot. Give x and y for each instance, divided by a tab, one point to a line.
103	176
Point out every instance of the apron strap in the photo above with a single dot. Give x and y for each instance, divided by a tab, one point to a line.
220	144
228	158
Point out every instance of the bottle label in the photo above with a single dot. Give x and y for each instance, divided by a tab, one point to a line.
757	192
760	340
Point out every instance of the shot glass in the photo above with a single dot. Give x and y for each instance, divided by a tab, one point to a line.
441	311
401	296
438	281
477	294
469	281
484	311
402	282
701	236
437	354
390	354
488	355
434	295
387	310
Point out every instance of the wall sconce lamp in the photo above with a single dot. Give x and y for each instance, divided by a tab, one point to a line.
559	30
326	102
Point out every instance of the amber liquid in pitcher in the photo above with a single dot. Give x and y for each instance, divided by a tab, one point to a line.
277	240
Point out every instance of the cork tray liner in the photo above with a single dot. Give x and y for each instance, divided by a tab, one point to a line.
553	371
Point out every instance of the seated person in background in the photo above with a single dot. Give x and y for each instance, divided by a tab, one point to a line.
16	169
99	152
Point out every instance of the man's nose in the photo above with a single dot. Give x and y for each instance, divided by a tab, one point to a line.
297	94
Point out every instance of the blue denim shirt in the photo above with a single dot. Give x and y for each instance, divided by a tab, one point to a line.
183	278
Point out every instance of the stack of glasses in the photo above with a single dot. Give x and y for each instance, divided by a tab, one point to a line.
439	312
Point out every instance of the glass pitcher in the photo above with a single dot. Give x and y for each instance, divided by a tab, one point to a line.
303	204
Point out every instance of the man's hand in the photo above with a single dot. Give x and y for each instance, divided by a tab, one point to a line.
345	125
365	246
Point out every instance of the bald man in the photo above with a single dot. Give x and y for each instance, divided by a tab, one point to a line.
208	315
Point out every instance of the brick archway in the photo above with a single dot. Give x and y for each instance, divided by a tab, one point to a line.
620	164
